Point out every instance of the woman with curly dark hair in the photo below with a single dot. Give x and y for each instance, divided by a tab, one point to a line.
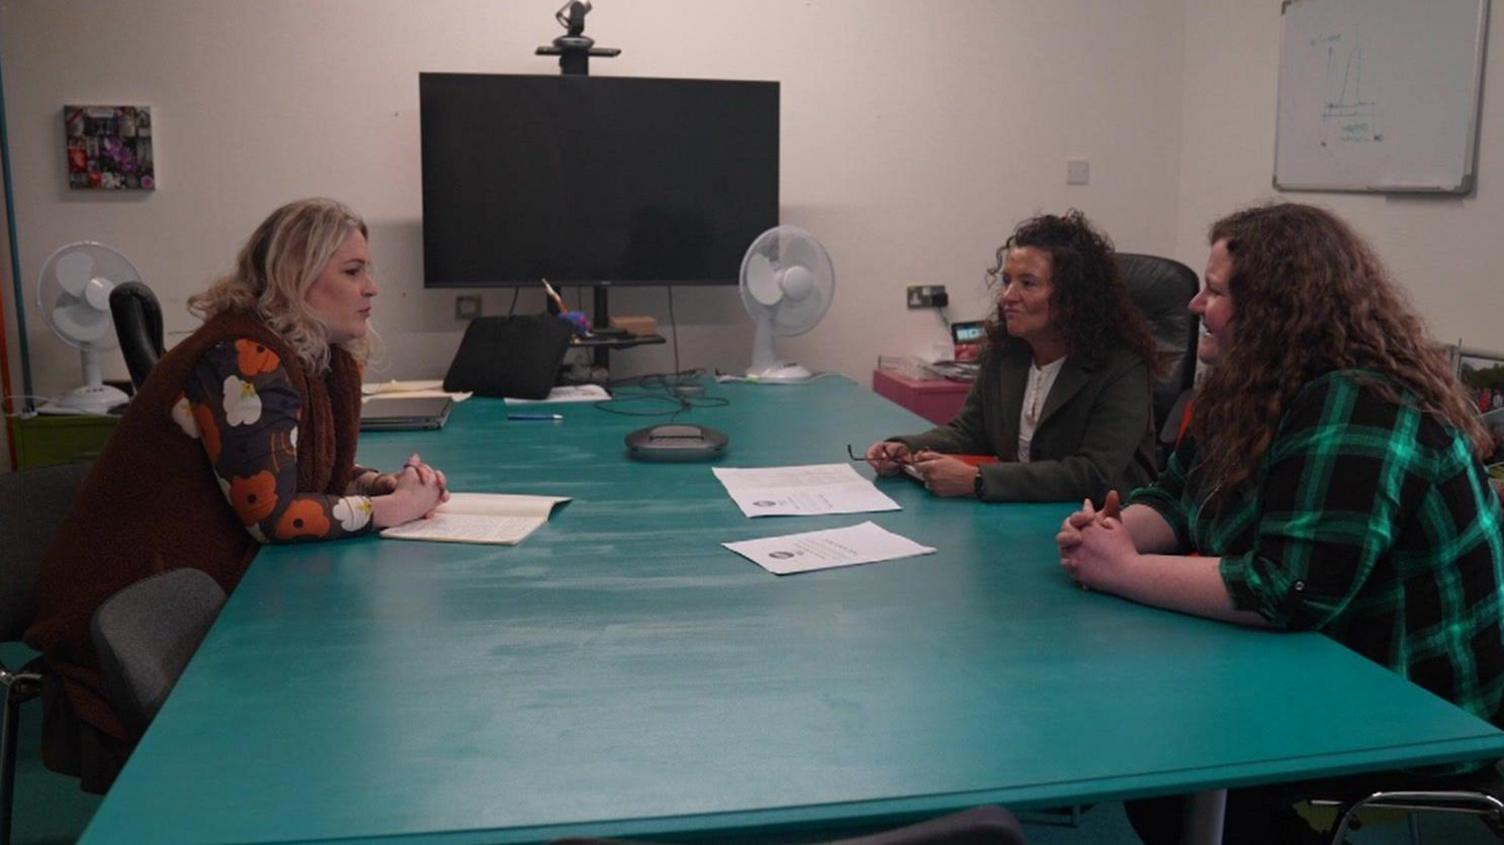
1063	399
1331	481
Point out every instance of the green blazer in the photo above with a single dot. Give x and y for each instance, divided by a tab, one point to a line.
1095	431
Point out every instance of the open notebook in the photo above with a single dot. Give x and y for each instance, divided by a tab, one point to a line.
497	518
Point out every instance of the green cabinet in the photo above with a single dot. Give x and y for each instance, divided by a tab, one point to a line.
45	439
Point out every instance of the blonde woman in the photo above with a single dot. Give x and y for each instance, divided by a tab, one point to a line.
244	434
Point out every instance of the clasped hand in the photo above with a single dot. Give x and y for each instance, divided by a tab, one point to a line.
941	474
409	494
1095	547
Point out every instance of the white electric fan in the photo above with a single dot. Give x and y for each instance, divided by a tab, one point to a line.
787	285
73	291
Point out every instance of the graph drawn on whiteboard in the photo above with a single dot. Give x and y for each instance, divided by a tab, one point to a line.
1350	112
1379	95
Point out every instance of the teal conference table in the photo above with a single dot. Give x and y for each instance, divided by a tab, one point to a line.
621	674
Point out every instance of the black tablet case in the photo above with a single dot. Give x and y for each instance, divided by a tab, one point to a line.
516	356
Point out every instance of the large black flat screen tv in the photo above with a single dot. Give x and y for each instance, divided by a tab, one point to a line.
594	180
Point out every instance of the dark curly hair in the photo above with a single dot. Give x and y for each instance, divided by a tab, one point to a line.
1090	305
1309	297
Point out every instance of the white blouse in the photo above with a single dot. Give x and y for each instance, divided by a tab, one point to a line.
1036	393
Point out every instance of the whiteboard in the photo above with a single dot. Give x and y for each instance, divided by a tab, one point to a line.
1379	95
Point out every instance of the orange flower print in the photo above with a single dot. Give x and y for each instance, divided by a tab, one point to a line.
303	519
255	497
255	359
208	429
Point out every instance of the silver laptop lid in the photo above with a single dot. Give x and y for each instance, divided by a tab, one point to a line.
405	412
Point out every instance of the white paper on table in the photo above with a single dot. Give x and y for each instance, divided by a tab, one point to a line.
480	518
568	393
415	389
791	553
805	490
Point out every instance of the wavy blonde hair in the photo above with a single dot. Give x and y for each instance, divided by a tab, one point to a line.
1309	297
274	271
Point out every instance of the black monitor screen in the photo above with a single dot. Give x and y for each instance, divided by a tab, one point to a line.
581	179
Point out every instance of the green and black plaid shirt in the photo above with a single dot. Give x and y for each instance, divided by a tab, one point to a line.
1370	522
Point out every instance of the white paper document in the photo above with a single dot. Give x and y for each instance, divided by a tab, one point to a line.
568	393
805	490
791	553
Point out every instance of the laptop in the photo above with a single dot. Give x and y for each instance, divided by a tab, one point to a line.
405	413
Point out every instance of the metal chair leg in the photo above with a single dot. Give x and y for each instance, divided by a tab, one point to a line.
20	687
1471	803
8	757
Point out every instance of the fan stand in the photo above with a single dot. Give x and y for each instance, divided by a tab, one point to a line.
94	397
765	364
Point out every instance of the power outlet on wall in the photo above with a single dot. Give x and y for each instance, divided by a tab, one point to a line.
467	307
927	296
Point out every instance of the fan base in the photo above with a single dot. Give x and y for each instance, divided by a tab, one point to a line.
785	373
90	399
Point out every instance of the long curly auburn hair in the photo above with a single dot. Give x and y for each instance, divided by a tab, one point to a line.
1090	306
1310	297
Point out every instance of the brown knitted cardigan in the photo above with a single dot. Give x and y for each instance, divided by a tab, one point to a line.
152	503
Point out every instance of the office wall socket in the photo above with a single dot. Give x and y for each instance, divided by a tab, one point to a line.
467	307
927	296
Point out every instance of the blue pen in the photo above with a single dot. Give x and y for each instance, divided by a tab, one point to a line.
539	417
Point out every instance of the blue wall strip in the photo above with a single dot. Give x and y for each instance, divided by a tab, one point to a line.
15	254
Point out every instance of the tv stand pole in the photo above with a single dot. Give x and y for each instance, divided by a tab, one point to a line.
600	318
574	50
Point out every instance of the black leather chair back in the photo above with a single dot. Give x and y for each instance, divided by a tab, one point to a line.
1162	288
138	324
33	503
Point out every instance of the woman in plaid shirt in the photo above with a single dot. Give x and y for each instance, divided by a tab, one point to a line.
1331	480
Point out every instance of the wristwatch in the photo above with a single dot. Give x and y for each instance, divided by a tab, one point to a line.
976	484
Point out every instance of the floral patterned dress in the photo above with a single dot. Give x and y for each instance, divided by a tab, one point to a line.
241	404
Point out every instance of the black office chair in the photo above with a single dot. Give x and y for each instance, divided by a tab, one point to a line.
1162	288
32	505
980	826
138	324
146	633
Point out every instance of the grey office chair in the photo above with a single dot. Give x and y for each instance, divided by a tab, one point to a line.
1162	288
32	505
145	634
138	324
980	826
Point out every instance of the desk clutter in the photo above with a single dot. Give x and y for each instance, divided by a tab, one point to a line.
798	490
910	367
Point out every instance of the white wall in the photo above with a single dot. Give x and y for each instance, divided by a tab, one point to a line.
914	136
1445	250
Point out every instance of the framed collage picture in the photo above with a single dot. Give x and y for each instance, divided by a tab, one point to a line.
1482	373
109	148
